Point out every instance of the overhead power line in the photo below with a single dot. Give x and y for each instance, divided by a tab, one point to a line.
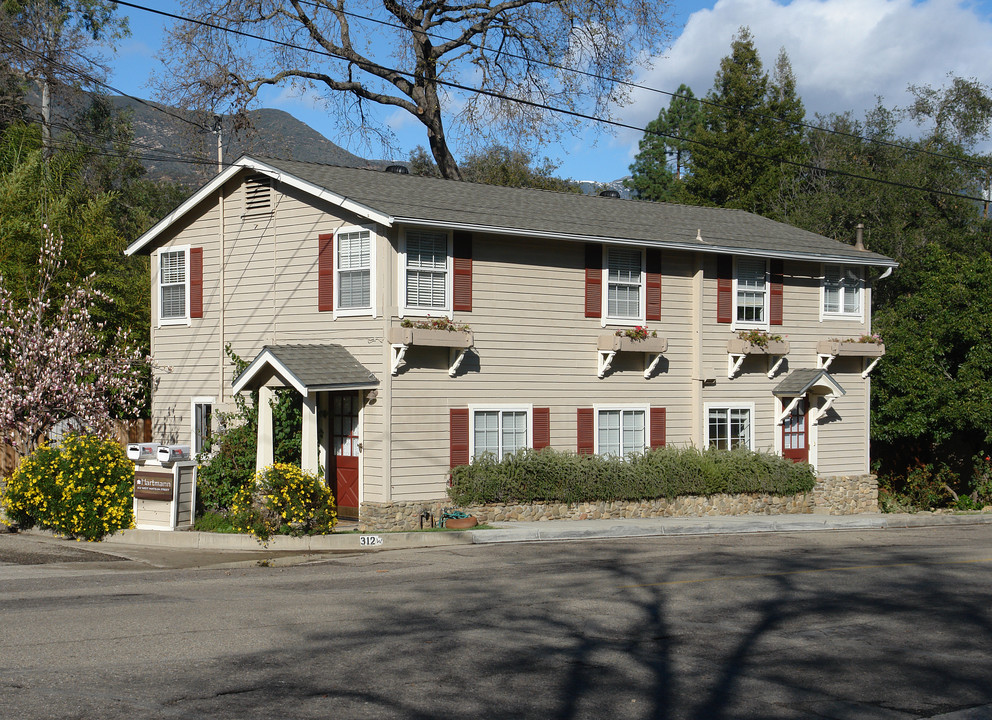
561	111
673	95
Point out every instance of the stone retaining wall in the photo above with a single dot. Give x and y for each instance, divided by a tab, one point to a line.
846	495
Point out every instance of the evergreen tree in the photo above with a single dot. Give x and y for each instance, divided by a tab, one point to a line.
664	151
737	162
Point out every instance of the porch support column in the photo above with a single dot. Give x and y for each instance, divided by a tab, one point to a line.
263	452
308	456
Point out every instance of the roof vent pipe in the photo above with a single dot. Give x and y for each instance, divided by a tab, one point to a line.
859	237
398	169
610	193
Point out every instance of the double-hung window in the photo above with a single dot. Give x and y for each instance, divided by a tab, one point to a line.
499	431
752	292
841	291
173	274
426	280
202	423
354	269
621	432
624	284
729	427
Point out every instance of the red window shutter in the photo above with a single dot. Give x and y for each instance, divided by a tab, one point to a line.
325	273
724	289
462	277
658	424
196	282
652	285
586	430
594	280
775	295
542	428
459	436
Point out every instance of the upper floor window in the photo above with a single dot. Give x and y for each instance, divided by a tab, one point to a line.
499	431
173	272
621	431
426	280
752	292
842	290
354	269
624	283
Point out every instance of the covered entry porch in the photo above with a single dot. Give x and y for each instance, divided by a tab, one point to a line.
334	388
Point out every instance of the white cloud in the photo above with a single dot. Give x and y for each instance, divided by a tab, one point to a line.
844	52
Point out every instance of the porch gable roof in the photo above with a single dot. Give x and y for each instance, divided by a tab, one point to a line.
802	380
306	368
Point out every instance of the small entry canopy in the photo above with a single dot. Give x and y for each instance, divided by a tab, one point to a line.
307	369
802	380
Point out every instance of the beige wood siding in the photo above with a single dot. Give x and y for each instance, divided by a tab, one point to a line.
270	298
533	345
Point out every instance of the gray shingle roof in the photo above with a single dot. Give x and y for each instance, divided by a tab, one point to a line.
800	380
317	367
413	199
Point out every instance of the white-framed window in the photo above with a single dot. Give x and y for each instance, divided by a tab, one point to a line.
173	286
500	430
354	270
729	426
425	280
623	291
842	291
621	431
751	292
201	423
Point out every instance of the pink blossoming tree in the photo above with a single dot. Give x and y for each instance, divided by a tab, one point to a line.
56	362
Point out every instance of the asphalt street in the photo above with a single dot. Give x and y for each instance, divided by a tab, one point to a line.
857	624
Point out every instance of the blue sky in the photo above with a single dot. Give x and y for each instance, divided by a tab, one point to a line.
845	53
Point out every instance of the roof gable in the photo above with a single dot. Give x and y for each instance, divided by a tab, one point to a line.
394	199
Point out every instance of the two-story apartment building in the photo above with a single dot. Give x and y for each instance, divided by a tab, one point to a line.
310	270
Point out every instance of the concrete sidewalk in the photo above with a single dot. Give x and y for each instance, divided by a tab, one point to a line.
218	550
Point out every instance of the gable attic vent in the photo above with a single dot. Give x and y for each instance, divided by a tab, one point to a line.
258	191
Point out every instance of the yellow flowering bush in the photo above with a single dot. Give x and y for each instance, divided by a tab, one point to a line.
80	488
284	500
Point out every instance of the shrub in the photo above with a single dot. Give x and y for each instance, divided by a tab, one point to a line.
227	465
82	488
284	500
923	487
548	475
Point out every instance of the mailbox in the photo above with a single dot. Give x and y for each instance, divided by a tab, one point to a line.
142	451
164	486
172	453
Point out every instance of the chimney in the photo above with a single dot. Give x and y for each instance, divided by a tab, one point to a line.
859	237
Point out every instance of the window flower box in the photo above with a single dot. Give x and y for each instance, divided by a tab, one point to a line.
850	348
620	343
431	337
737	346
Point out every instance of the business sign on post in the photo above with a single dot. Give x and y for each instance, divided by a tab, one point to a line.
149	485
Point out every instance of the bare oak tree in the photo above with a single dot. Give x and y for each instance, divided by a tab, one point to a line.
511	59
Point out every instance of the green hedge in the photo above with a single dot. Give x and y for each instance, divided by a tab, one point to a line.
536	476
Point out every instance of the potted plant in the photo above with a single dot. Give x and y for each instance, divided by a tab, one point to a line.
432	332
757	342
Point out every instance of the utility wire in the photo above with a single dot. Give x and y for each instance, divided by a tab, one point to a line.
96	81
638	86
548	108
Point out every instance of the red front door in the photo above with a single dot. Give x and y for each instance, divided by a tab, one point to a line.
345	448
795	445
